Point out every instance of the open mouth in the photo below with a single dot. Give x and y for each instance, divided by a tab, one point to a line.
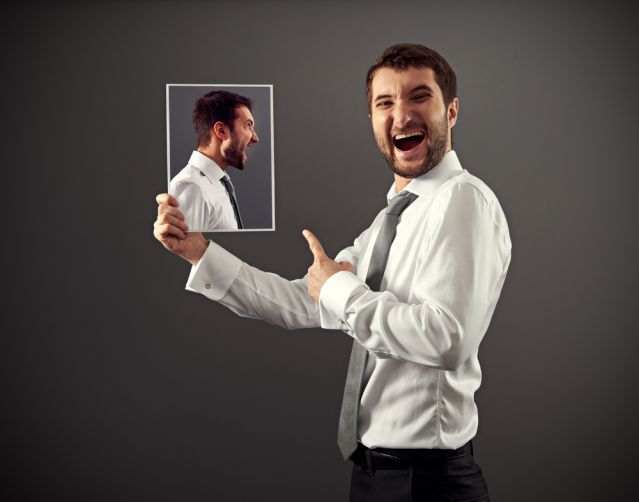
408	141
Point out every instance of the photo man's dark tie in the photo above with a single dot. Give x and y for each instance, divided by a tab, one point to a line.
347	430
231	191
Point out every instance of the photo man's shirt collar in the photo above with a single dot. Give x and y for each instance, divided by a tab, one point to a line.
207	166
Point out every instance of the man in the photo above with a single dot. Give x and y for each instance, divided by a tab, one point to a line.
416	291
225	130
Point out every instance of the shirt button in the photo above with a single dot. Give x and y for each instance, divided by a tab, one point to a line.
207	285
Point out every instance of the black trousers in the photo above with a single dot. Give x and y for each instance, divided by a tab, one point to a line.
417	476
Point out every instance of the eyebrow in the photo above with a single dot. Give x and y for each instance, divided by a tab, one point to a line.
382	96
421	87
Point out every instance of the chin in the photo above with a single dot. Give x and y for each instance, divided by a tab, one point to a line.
408	173
411	169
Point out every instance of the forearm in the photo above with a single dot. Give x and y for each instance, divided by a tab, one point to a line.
422	333
250	292
436	323
437	303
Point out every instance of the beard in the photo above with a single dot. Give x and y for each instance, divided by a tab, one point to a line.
234	154
438	136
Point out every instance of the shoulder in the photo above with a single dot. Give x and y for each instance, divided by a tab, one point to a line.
466	197
185	186
188	174
188	180
466	188
200	191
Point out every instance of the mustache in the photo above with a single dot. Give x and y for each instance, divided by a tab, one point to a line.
409	127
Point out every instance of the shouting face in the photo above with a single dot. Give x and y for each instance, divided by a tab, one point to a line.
410	120
242	136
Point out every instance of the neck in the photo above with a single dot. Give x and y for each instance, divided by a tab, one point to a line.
214	153
401	182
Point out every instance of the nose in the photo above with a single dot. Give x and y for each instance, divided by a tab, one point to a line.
255	138
402	114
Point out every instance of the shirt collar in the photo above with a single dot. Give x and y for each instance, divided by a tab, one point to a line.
206	166
427	184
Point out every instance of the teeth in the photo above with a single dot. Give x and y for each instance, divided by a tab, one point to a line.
408	135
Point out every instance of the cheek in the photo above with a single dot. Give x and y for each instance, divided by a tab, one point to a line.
381	125
435	115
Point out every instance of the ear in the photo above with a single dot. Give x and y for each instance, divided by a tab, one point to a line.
220	131
453	108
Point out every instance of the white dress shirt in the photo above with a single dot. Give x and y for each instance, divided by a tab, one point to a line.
202	197
444	275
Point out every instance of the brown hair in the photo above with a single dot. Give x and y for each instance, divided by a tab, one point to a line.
216	106
404	56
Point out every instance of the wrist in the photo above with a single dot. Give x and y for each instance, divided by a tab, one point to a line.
196	255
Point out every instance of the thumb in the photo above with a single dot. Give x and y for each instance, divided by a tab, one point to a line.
346	265
314	245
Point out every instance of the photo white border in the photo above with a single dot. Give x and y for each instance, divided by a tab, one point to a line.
272	113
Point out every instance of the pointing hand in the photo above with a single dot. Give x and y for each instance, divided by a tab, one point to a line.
322	268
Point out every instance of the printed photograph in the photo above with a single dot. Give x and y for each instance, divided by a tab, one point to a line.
220	155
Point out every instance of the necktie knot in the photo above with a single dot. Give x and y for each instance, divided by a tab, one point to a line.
385	238
227	182
400	202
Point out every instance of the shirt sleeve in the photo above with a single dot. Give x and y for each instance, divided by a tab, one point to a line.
192	205
250	292
460	272
253	293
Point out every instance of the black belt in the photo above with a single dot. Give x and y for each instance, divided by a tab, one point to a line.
389	458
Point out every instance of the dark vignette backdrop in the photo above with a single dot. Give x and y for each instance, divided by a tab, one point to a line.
119	385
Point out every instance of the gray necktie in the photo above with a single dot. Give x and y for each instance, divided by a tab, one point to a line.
347	430
231	191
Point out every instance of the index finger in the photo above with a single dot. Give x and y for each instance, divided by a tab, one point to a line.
165	198
314	244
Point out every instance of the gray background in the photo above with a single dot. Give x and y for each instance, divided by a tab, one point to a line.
253	185
119	385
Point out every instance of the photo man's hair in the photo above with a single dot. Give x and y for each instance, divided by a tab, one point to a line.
216	106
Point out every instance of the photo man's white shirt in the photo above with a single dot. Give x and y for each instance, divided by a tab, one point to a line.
202	197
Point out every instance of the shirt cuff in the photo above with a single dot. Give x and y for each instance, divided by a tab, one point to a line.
214	273
334	298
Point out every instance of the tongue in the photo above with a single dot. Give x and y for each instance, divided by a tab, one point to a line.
405	144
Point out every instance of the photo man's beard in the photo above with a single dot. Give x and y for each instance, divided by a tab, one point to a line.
234	155
438	136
